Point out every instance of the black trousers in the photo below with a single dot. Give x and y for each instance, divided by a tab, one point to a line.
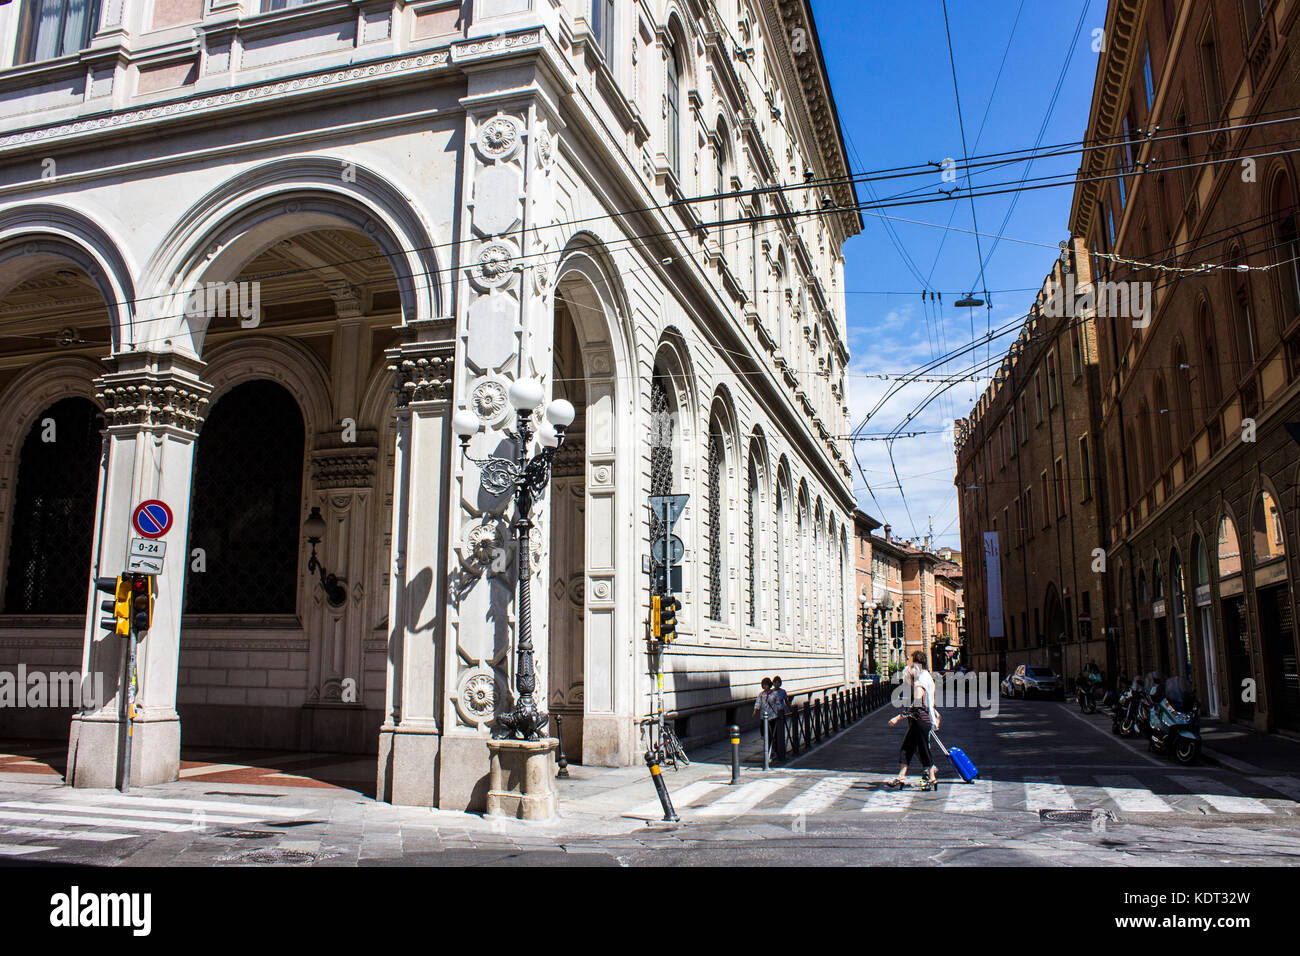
917	740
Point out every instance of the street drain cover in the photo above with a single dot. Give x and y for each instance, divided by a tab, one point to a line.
1073	816
276	856
245	834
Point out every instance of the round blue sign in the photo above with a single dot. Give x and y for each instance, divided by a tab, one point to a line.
152	518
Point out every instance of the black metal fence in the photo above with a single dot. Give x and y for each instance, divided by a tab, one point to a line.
801	728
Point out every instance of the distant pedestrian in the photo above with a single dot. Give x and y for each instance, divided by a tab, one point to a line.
921	719
765	707
781	706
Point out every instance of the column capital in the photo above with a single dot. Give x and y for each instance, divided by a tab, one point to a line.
424	371
152	390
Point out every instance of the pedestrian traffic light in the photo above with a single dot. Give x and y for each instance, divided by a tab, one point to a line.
119	605
141	602
668	608
656	605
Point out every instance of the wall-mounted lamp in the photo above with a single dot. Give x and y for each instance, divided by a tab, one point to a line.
331	584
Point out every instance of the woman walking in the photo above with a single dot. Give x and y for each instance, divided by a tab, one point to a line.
921	717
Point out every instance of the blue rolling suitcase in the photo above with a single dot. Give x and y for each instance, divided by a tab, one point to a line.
959	760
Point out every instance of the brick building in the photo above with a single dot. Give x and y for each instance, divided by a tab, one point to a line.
1028	480
1196	405
949	614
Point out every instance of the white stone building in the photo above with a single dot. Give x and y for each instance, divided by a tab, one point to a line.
417	202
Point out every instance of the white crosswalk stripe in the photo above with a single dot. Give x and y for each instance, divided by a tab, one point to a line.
1048	794
1128	794
1213	793
112	817
889	801
820	795
21	849
745	799
969	797
691	793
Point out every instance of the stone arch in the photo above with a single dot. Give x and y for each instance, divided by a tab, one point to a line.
254	210
597	680
281	361
34	236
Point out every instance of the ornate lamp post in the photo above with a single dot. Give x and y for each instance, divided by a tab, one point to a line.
528	477
868	617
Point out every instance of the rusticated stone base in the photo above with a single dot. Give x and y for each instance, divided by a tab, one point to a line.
522	779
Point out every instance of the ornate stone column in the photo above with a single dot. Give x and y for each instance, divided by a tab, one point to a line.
154	405
409	741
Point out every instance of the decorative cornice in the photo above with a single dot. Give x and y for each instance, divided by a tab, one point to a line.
344	467
424	372
153	397
231	98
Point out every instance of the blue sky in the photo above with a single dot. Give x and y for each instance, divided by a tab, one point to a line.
893	85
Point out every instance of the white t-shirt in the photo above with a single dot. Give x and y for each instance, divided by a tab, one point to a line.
921	682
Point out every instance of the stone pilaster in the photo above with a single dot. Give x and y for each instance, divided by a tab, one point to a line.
410	738
154	405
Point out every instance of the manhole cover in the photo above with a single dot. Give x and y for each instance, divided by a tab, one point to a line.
1073	816
245	834
294	857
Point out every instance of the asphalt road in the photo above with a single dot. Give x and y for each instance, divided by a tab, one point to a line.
828	807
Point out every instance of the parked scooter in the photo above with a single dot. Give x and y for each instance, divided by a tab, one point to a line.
1174	722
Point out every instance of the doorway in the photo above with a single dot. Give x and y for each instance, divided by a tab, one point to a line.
1235	638
567	620
1277	634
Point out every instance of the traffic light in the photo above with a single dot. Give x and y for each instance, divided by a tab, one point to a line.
656	604
119	605
141	602
668	608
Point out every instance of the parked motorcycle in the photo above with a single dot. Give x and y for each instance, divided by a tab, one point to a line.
1174	722
1090	691
1128	712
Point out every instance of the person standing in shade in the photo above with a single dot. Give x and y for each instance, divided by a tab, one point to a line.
780	707
765	709
921	719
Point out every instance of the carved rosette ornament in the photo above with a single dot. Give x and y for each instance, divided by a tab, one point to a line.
476	697
498	138
485	545
489	400
493	267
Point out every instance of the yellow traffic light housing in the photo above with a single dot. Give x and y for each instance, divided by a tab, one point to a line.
668	608
119	605
655	600
141	602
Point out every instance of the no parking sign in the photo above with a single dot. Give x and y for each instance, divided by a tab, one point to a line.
152	519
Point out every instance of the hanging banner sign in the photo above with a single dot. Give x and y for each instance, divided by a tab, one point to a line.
993	575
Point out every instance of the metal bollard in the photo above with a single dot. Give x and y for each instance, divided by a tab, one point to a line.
735	754
561	761
766	742
661	788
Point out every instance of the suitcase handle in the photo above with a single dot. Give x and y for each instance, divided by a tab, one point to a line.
940	743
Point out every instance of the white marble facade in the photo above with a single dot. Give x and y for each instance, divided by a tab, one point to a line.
431	199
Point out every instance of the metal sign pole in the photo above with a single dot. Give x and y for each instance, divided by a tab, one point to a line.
128	701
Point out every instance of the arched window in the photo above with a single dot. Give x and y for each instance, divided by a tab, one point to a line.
1229	550
54	511
672	91
246	510
781	545
1268	537
1243	317
1164	423
1183	395
1288	249
661	444
1145	472
720	175
751	543
714	468
1210	366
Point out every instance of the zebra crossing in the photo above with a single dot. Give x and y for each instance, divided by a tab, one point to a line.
789	795
69	819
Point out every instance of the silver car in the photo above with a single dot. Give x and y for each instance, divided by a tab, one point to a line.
1032	680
